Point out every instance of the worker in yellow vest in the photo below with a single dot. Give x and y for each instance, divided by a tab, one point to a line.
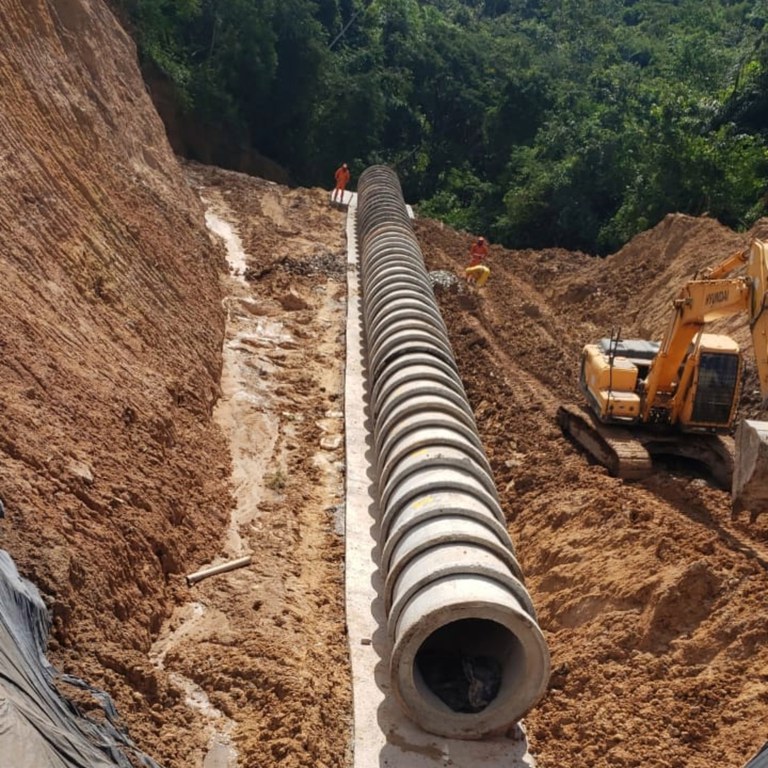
476	272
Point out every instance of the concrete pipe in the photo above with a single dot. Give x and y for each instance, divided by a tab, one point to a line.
412	361
418	487
394	283
451	406
445	558
435	385
468	658
385	216
451	505
382	242
422	462
398	389
391	327
400	305
425	439
402	312
395	288
467	627
386	254
398	265
392	379
395	278
379	280
386	241
404	340
423	429
447	530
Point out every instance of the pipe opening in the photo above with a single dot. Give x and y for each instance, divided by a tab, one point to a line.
464	664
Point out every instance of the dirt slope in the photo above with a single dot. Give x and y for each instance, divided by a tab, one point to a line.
111	474
117	471
110	330
159	414
651	596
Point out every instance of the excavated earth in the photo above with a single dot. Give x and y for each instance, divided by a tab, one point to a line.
171	398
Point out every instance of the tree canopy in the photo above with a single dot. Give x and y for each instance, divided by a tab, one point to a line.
538	122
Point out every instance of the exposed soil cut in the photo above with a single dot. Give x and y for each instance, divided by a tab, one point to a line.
170	399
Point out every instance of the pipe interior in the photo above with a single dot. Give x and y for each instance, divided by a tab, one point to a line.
465	664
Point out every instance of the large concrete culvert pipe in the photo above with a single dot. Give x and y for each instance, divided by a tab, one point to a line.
468	658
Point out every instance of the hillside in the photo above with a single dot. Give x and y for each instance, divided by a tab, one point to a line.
649	593
539	122
160	413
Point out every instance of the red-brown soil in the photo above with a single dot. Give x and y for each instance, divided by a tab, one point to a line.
650	595
159	414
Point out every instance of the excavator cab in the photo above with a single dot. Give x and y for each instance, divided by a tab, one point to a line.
711	401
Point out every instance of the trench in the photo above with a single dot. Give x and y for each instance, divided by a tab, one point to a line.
245	415
188	619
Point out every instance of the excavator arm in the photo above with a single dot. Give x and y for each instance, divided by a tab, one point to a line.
698	303
725	267
757	271
701	301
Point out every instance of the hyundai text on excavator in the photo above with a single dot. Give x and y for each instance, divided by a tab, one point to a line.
677	396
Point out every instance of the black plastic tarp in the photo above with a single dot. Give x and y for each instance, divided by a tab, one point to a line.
39	727
760	760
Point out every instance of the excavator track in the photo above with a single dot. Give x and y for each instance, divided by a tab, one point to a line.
629	454
617	449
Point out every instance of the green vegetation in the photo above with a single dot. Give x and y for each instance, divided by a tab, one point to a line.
276	481
575	123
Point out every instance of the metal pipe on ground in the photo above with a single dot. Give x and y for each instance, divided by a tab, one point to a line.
468	657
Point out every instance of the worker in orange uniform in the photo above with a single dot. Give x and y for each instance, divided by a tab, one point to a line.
476	271
342	179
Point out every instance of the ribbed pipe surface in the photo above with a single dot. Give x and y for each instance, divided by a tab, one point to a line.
468	657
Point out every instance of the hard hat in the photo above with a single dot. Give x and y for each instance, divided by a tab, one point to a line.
480	239
345	165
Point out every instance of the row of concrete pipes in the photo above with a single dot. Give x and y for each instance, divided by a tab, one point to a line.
468	658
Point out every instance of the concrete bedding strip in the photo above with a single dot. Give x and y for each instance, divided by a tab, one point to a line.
382	735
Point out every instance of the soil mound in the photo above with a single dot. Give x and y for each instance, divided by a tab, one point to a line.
645	589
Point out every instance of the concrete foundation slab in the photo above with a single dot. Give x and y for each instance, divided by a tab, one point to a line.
383	736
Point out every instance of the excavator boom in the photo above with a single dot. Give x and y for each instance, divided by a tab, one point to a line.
757	271
698	303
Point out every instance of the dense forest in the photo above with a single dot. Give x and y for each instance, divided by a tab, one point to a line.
575	123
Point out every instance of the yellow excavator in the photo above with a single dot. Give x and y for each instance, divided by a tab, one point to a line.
677	396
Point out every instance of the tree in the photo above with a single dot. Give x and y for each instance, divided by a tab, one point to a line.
575	122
